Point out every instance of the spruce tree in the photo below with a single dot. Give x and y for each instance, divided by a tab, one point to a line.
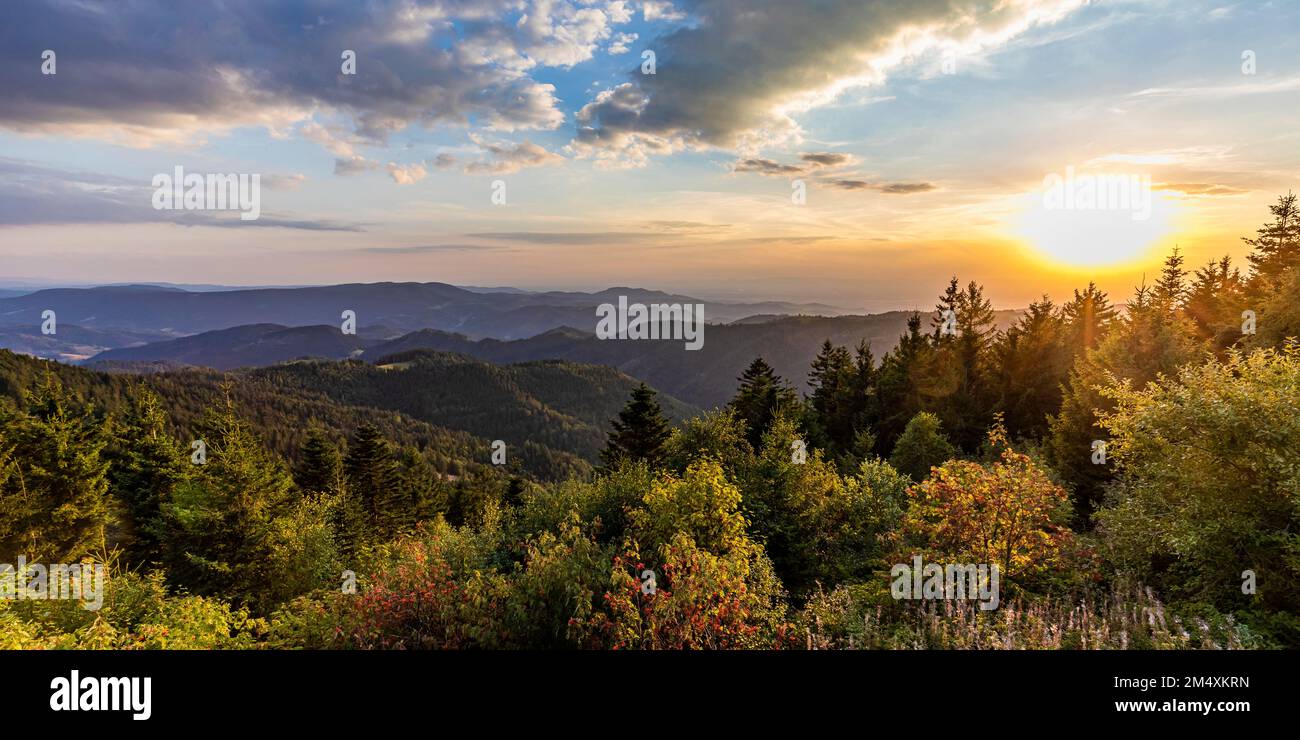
1276	246
56	497
220	524
831	379
321	466
639	433
146	465
374	480
761	396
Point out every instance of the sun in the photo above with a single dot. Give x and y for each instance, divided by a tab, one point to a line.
1077	232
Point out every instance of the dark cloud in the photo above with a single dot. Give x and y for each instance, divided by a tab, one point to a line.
905	188
826	159
891	188
767	167
727	77
151	68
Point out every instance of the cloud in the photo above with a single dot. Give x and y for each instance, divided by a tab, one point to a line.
354	165
152	71
889	188
811	161
1200	188
284	182
660	10
506	158
735	77
35	194
767	167
406	174
826	159
430	248
1251	86
621	43
555	237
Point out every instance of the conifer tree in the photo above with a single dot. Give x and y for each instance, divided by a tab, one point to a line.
146	466
320	469
56	500
832	400
897	392
374	480
761	396
1276	246
639	433
220	523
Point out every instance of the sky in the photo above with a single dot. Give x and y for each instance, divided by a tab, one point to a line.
849	152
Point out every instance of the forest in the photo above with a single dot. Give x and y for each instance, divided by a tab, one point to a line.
1130	465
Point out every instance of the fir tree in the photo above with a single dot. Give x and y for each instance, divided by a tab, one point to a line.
1276	246
146	466
761	396
639	433
55	498
375	482
320	467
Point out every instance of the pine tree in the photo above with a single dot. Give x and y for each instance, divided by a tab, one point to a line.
56	500
831	378
220	524
639	433
1087	317
947	308
374	481
1276	246
1032	358
1215	301
959	373
761	396
146	465
1170	290
320	469
897	388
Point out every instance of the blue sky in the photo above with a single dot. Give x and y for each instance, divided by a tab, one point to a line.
922	132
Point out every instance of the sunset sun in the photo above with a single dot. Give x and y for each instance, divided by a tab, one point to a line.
1094	236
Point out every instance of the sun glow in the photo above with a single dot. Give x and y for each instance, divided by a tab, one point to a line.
1079	234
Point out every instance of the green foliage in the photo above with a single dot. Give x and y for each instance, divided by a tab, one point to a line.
1209	483
922	447
1150	342
54	503
146	465
139	612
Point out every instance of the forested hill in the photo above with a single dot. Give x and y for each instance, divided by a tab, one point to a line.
552	416
560	405
704	378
